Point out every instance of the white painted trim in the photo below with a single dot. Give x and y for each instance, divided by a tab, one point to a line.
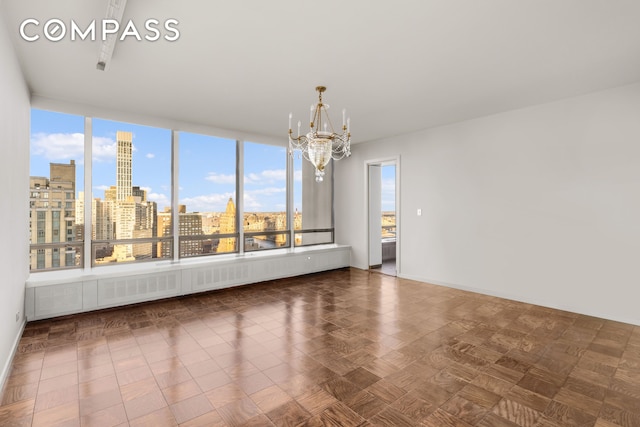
398	218
374	213
388	160
6	369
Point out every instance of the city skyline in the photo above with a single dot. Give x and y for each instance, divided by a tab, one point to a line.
128	211
206	176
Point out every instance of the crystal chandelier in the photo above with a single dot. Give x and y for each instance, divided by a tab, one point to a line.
321	143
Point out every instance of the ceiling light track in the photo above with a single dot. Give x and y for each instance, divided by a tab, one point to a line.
115	11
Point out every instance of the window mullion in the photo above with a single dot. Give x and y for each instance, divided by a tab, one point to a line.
88	194
175	219
290	199
240	194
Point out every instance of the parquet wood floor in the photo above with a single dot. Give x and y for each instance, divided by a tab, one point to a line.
341	348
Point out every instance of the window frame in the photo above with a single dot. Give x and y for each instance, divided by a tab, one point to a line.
85	250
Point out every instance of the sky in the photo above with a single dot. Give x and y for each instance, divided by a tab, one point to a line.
206	169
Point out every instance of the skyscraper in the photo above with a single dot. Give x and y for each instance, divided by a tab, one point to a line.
125	213
52	203
124	142
227	226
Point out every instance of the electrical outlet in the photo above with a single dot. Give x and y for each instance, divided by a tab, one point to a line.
419	212
17	316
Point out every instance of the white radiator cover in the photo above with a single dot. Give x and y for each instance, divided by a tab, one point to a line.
61	293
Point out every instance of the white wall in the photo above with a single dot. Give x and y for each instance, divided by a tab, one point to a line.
14	215
540	204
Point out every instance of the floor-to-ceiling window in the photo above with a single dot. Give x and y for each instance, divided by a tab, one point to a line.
265	197
131	175
313	203
141	177
207	211
55	188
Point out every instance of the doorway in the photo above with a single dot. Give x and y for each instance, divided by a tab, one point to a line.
383	216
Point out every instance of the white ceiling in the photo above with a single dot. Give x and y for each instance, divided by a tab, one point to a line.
397	66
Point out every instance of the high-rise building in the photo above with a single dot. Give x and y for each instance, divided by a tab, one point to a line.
111	193
125	213
164	229
146	213
228	226
190	224
52	216
124	142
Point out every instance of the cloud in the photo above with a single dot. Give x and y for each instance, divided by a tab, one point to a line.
216	202
101	187
388	185
275	175
66	146
269	191
270	176
252	178
161	199
388	194
255	200
58	146
103	149
221	178
150	155
251	203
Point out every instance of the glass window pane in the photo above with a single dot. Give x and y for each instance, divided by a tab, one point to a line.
297	196
207	195
313	238
131	169
388	202
312	202
56	175
265	195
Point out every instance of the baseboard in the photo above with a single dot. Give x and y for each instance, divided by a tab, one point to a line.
534	301
6	369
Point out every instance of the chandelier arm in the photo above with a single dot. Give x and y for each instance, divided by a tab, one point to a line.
329	121
301	144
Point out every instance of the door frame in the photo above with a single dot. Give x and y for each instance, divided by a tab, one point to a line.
383	161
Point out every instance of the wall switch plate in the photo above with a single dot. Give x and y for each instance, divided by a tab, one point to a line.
419	212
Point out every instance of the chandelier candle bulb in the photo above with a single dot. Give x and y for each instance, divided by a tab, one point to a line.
290	117
311	115
344	115
299	128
